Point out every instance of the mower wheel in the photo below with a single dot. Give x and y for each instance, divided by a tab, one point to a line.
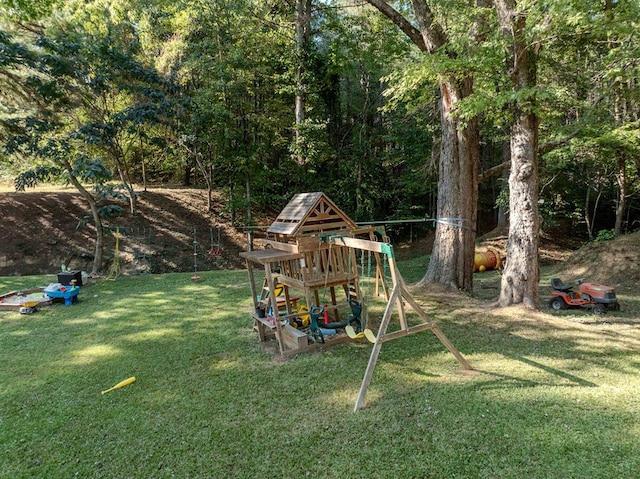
557	303
599	309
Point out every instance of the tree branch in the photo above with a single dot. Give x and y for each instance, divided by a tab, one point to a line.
432	33
544	148
402	23
552	145
494	170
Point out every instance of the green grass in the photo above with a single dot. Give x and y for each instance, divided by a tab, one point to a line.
551	398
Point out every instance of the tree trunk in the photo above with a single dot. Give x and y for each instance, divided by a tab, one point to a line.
620	113
452	256
522	271
621	178
97	257
303	25
144	169
187	173
590	213
119	157
504	178
587	215
453	251
207	174
521	275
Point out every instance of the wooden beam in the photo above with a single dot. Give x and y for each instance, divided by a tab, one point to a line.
400	293
367	245
291	248
406	332
375	352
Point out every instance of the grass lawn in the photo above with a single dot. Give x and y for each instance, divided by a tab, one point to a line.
551	397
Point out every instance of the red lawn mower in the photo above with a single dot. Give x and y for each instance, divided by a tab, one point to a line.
598	297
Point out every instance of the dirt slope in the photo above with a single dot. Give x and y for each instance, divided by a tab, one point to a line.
614	262
39	233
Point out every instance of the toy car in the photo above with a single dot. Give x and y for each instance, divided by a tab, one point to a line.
598	297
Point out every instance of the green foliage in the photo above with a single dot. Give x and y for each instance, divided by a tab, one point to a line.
604	235
105	212
39	174
168	83
90	170
26	9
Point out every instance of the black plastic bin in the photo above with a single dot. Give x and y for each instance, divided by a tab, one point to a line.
66	277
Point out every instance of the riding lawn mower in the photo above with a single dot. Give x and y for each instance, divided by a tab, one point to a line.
597	297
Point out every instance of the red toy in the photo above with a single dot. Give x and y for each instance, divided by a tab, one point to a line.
598	297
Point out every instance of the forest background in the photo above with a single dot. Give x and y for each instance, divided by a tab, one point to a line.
264	99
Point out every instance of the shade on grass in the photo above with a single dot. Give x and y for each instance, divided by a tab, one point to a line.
550	398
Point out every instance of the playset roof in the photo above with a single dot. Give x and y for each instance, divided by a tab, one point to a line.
310	213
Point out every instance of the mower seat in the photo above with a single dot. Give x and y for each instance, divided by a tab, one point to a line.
558	285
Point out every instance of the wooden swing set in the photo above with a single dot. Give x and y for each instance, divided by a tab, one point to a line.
396	301
314	249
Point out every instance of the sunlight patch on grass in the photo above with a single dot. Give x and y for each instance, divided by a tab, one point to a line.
542	370
345	397
373	396
141	301
414	371
152	334
593	347
20	332
226	364
93	353
159	294
79	321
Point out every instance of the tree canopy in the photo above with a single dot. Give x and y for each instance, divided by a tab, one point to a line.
264	99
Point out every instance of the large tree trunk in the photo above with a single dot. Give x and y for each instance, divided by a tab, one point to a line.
452	256
522	271
451	261
522	274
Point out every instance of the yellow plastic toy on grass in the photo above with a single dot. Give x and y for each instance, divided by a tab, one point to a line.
121	384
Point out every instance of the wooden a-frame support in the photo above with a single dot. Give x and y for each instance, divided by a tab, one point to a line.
399	293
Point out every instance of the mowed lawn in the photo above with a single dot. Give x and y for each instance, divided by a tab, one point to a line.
551	397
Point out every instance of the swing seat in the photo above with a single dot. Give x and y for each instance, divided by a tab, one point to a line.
354	326
367	333
351	332
353	321
370	335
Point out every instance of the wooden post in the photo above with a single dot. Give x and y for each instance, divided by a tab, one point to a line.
252	282
274	305
400	292
368	374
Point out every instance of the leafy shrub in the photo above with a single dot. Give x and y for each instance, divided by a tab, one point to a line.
604	235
